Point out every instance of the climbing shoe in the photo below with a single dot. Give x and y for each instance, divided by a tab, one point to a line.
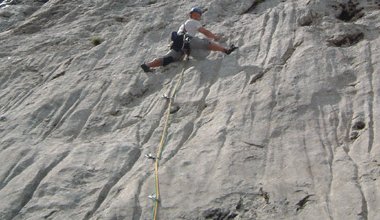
146	68
231	49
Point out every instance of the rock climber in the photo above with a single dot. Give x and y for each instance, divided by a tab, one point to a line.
187	32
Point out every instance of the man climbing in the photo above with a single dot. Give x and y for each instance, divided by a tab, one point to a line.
185	40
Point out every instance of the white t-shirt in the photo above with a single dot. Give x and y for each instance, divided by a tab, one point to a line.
191	27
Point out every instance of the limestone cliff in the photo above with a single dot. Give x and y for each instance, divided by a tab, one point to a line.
286	127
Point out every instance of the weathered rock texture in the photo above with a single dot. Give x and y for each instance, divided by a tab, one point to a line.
287	127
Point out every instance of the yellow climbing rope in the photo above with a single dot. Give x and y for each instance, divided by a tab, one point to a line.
162	142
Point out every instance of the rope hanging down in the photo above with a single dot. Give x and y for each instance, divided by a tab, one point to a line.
171	96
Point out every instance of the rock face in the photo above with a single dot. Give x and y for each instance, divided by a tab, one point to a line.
286	127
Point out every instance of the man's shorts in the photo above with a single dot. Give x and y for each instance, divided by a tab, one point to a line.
176	55
199	43
171	56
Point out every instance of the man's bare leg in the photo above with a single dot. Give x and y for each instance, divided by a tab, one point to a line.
154	63
216	47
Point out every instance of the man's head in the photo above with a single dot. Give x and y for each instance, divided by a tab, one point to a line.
195	13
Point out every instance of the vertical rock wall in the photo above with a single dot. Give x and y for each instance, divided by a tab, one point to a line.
283	128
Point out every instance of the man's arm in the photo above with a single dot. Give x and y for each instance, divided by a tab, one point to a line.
208	33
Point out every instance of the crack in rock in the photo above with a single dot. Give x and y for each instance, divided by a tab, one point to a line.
302	203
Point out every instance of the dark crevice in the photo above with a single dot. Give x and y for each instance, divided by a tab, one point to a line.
253	6
59	75
302	203
50	214
219	214
174	109
253	144
346	40
264	194
359	125
349	11
257	77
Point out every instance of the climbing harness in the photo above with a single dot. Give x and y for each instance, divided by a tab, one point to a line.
170	98
186	45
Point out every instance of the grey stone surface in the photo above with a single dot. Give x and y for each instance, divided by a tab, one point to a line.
283	128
